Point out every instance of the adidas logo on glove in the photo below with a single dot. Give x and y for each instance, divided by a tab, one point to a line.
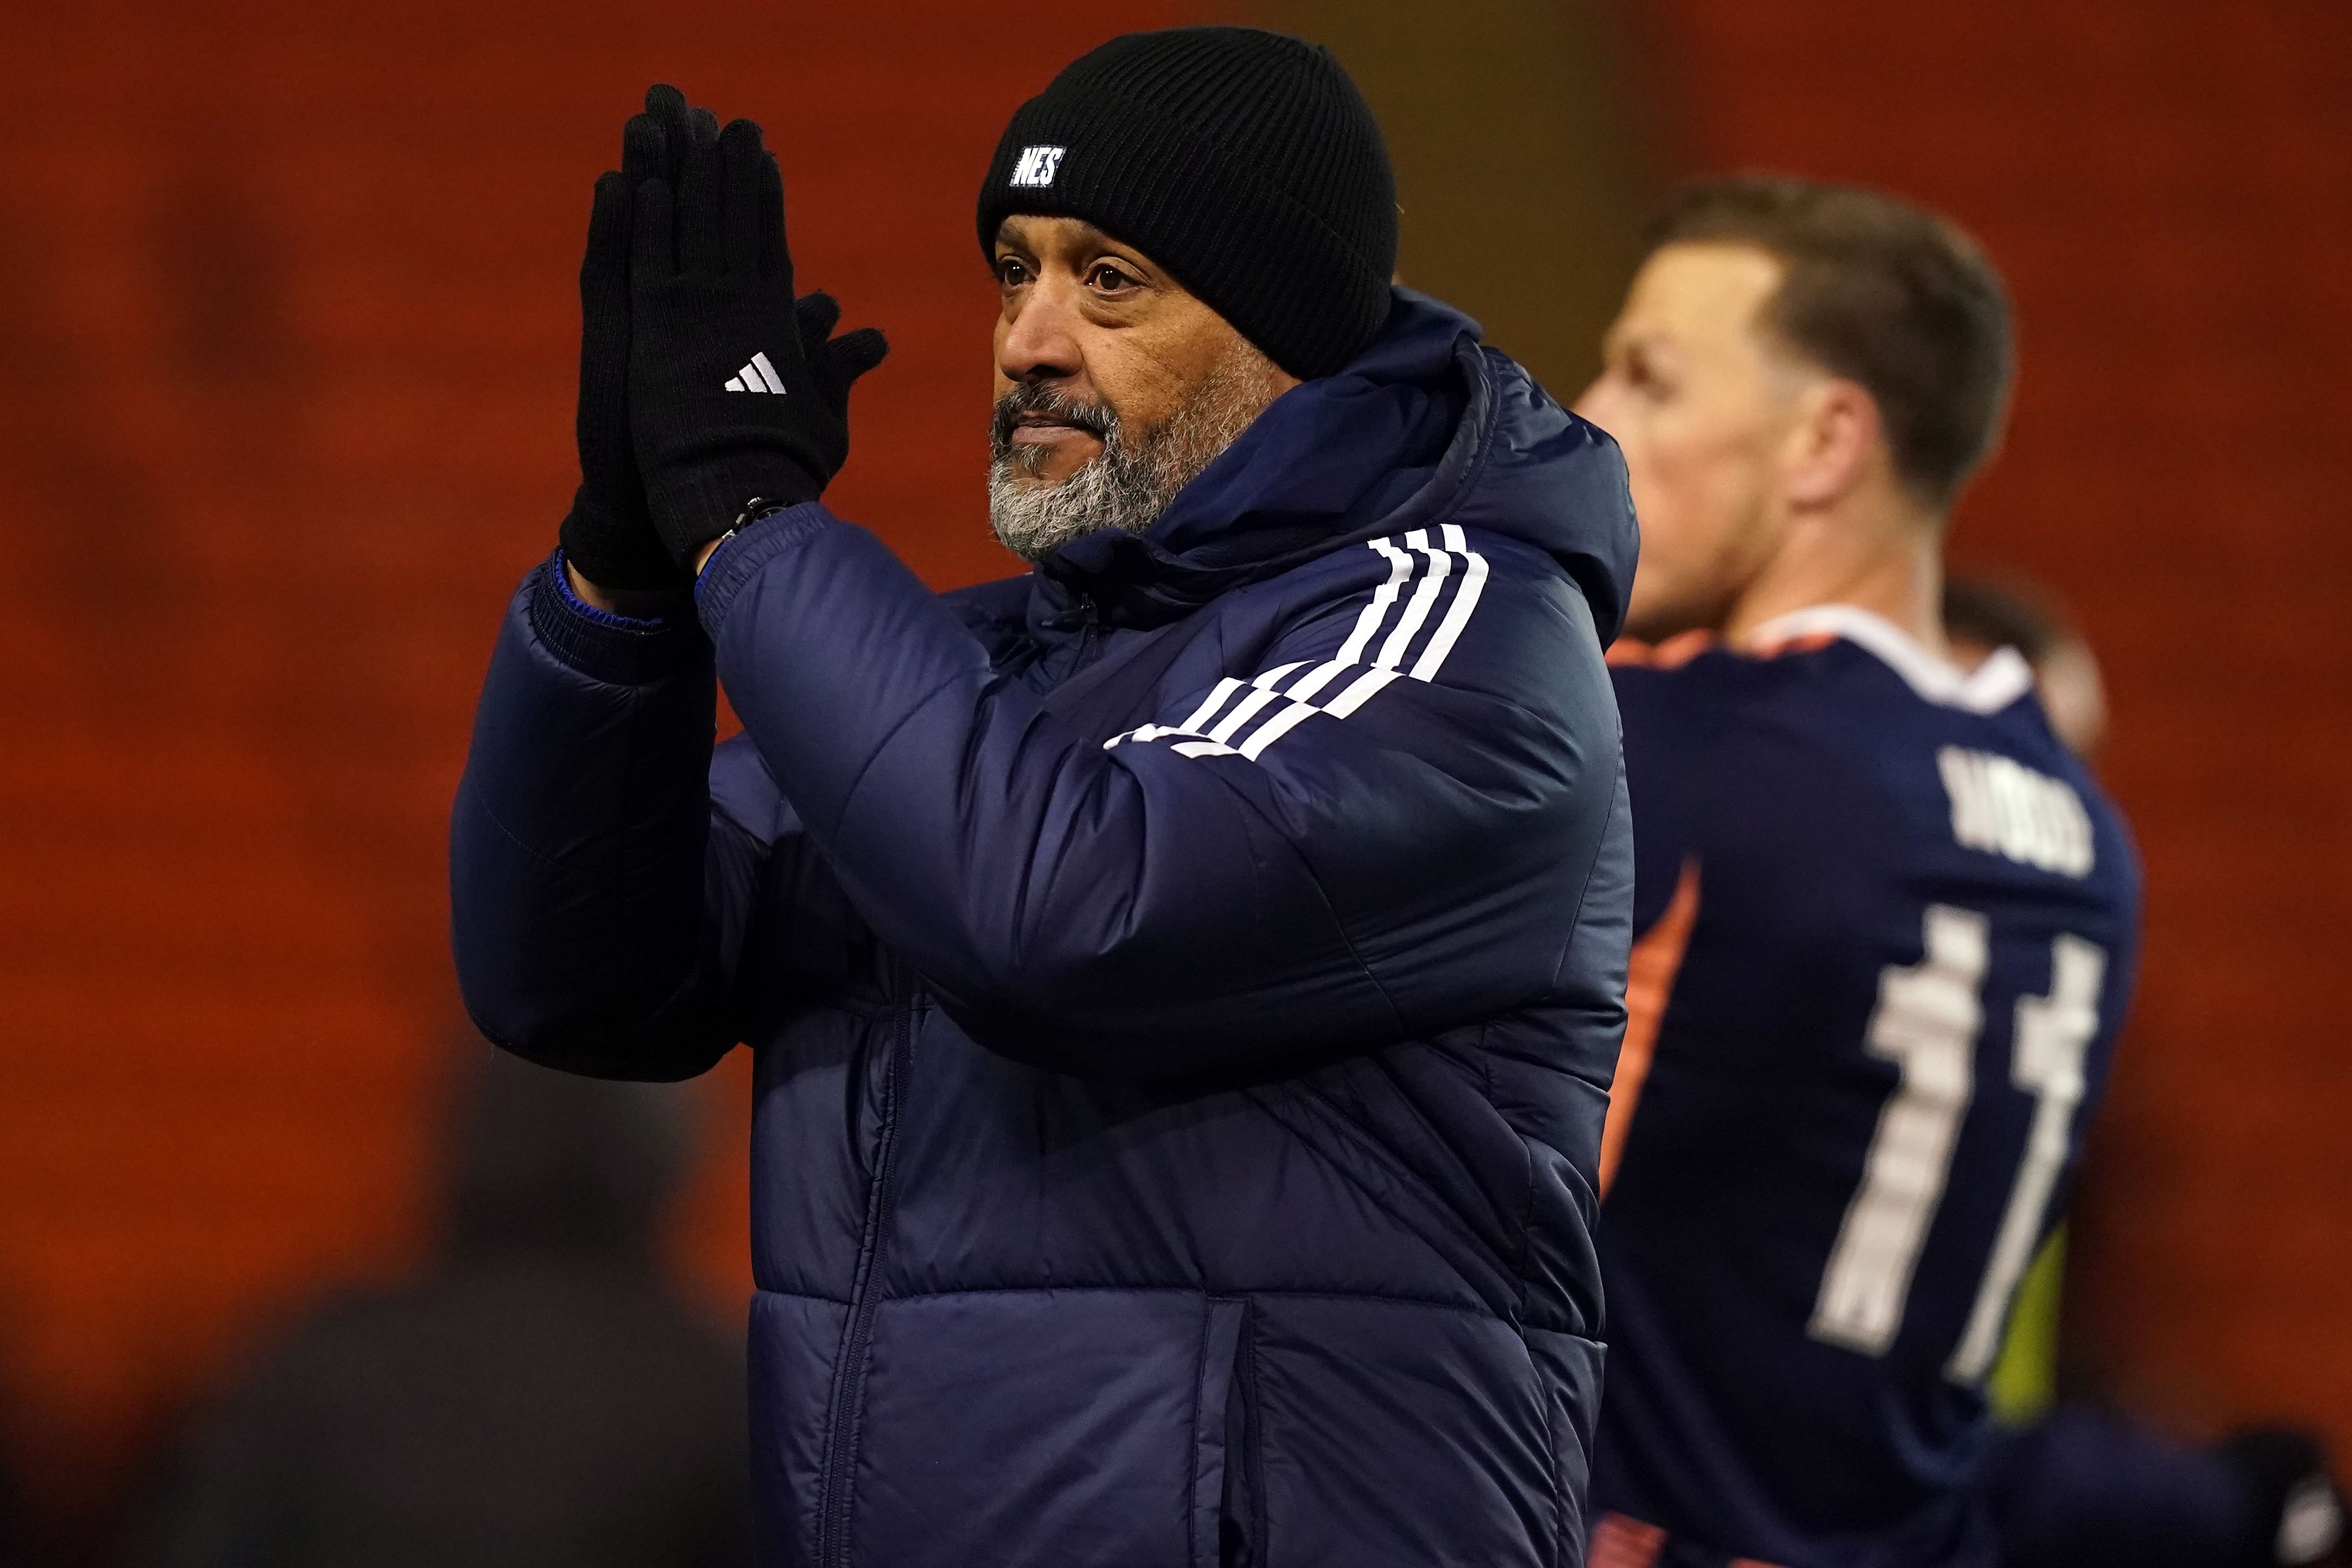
758	376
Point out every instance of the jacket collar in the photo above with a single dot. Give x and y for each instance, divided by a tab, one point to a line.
1991	686
1391	443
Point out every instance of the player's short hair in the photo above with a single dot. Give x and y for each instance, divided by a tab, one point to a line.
1886	294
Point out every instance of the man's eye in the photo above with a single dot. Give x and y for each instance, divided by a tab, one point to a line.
1643	378
1108	278
1011	273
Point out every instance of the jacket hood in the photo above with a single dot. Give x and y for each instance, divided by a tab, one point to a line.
1426	426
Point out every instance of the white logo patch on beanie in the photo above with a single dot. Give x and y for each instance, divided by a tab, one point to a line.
1036	166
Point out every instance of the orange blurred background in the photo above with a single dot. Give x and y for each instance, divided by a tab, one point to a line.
287	341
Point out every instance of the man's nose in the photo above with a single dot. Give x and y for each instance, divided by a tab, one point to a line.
1038	343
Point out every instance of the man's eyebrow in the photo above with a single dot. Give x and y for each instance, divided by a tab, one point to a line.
1083	236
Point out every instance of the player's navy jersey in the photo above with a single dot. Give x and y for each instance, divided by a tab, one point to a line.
1892	922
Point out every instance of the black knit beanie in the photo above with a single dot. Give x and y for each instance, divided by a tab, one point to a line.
1243	161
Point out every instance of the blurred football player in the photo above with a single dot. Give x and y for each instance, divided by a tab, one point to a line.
2077	1486
1887	919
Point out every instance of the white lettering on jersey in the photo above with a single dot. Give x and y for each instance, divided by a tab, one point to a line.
2002	806
1036	165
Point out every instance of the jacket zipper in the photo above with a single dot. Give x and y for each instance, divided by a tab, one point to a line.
1088	631
849	1377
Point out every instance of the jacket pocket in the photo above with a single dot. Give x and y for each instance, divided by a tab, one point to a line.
1228	1525
1054	1428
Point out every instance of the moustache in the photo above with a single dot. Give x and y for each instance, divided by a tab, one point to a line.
1098	420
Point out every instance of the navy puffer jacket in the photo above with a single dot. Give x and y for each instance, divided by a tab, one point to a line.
1184	982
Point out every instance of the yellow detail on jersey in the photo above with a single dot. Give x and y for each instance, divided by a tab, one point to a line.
2024	1382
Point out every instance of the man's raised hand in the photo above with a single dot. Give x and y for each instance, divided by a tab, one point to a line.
737	392
608	537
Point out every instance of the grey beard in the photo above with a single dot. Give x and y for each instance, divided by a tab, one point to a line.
1130	482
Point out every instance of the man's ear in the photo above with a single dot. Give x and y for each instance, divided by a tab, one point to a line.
1837	438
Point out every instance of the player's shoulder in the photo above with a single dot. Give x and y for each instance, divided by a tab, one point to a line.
1439	555
2014	792
1969	755
1823	708
1686	667
1696	686
1834	678
1451	605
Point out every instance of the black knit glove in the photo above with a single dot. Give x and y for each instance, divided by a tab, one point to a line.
737	394
609	535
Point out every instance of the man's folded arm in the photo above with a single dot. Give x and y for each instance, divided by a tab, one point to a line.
1353	861
598	900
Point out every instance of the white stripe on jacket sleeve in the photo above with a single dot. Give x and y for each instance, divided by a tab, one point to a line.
1431	589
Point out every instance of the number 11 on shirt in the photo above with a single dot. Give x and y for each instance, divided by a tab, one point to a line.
1928	1020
